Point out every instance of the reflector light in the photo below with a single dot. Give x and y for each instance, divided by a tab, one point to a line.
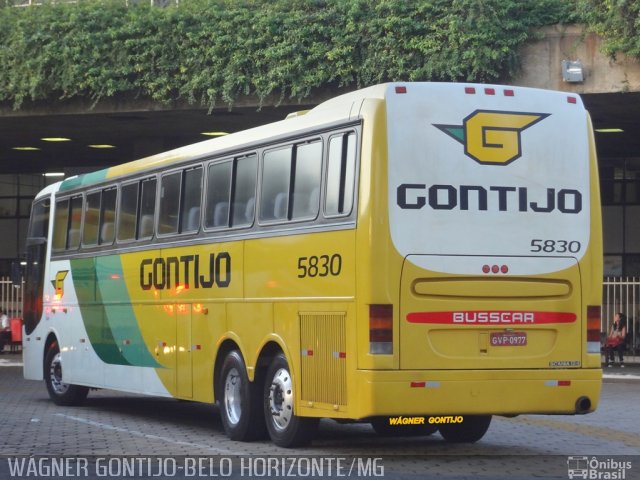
557	383
504	269
486	268
381	329
418	384
495	269
572	100
401	89
509	93
593	323
469	90
490	91
593	328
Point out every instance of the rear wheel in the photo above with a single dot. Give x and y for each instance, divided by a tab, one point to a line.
383	427
285	428
472	429
241	401
60	392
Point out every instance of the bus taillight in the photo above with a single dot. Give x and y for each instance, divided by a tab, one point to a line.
381	329
593	329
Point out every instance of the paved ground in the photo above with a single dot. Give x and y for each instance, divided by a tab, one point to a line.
115	424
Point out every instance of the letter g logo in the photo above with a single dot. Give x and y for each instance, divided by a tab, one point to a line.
492	137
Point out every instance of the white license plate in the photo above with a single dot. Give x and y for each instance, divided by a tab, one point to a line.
508	339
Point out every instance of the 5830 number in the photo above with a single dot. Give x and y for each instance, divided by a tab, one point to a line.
319	266
555	246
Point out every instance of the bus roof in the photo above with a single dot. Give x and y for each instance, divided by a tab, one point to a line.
333	110
341	108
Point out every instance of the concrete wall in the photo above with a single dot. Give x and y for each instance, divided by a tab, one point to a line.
542	59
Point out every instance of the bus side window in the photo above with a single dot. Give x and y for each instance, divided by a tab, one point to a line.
218	192
60	223
306	183
108	216
91	219
192	195
127	212
75	221
244	191
276	175
147	208
340	175
169	203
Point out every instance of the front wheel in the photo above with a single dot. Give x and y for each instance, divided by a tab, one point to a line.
285	428
60	392
472	429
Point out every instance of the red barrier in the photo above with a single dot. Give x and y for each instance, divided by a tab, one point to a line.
16	330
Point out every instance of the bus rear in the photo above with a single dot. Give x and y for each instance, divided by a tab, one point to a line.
494	221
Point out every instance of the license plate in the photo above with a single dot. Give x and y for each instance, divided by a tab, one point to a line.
508	339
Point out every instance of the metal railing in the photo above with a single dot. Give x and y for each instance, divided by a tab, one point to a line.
619	294
11	297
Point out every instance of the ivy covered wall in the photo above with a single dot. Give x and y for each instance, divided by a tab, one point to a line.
214	51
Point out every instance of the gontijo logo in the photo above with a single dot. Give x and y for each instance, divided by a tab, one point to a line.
58	283
492	137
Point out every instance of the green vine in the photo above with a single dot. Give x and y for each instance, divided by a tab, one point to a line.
211	51
617	21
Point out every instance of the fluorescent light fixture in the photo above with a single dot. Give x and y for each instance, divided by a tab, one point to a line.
55	139
26	149
23	263
214	134
53	174
101	146
609	130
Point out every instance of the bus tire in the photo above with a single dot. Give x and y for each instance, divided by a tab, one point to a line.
241	401
383	428
470	430
285	428
61	393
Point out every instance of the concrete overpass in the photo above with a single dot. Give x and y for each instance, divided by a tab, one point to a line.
136	127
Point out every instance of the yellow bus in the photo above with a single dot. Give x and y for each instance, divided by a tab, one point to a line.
420	256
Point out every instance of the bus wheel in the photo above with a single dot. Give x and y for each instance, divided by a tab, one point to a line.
383	428
285	428
61	393
472	429
240	404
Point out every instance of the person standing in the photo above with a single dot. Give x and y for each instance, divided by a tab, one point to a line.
616	339
5	330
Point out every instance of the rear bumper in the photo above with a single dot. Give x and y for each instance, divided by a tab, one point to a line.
506	392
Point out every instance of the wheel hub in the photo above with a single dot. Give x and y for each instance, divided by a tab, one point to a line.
55	375
233	396
281	399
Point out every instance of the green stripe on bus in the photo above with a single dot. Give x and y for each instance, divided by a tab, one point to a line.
119	313
83	180
93	314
